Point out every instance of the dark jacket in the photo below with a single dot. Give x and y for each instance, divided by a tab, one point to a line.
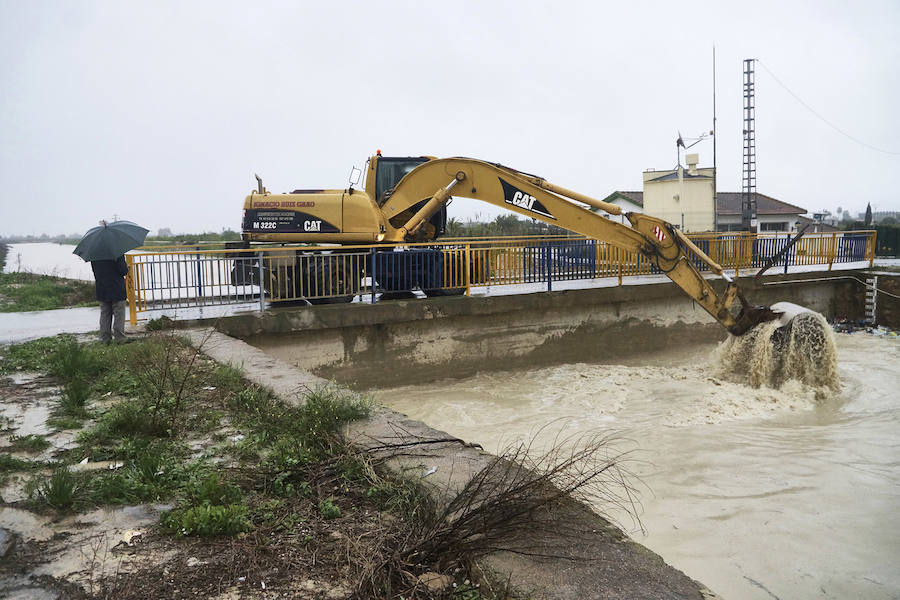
109	276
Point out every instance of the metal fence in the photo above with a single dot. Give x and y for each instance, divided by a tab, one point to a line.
196	277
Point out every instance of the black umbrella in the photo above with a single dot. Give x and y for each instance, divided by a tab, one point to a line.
109	241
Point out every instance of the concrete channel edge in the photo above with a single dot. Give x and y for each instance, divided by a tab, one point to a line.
622	568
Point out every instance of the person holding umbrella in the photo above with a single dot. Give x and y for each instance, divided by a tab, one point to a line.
105	247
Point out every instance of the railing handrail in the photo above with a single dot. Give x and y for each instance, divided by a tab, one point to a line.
275	246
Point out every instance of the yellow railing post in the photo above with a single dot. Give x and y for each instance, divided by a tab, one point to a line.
621	266
870	247
129	290
468	268
833	250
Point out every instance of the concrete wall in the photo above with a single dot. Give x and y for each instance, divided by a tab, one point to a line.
398	342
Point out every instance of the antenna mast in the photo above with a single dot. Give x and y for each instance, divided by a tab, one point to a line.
715	133
748	187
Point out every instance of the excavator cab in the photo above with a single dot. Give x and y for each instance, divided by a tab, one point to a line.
390	170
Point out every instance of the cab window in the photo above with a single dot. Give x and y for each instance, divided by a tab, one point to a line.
392	170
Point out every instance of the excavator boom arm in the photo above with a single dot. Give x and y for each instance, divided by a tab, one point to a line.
430	185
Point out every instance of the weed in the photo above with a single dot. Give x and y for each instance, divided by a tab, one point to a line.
329	510
351	469
74	398
467	591
160	324
28	443
288	453
287	484
207	520
60	490
130	418
204	421
328	408
166	369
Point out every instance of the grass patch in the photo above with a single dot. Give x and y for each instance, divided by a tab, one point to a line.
61	422
10	463
28	443
32	356
28	291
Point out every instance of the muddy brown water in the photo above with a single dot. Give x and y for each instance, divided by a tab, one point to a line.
759	493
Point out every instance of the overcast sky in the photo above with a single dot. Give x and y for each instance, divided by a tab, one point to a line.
161	112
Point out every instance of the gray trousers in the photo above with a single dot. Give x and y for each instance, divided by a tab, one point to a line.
112	313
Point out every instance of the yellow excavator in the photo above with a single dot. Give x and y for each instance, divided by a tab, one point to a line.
404	200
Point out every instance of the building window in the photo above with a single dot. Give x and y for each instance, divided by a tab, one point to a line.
778	226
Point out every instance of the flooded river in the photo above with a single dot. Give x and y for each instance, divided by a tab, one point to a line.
757	493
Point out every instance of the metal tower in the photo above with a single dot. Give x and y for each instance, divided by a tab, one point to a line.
748	187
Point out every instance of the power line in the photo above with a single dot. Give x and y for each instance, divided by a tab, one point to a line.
823	119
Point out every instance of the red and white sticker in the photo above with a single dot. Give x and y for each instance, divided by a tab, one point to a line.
659	233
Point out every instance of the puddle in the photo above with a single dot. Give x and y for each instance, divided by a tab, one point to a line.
21	588
93	540
27	525
23	378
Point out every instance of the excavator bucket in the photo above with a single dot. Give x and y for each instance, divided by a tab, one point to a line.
797	344
751	316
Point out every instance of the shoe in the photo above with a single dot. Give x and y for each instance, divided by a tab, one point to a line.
126	340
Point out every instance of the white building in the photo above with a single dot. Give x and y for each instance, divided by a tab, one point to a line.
684	198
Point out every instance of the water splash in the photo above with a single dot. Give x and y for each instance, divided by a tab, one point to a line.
771	355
